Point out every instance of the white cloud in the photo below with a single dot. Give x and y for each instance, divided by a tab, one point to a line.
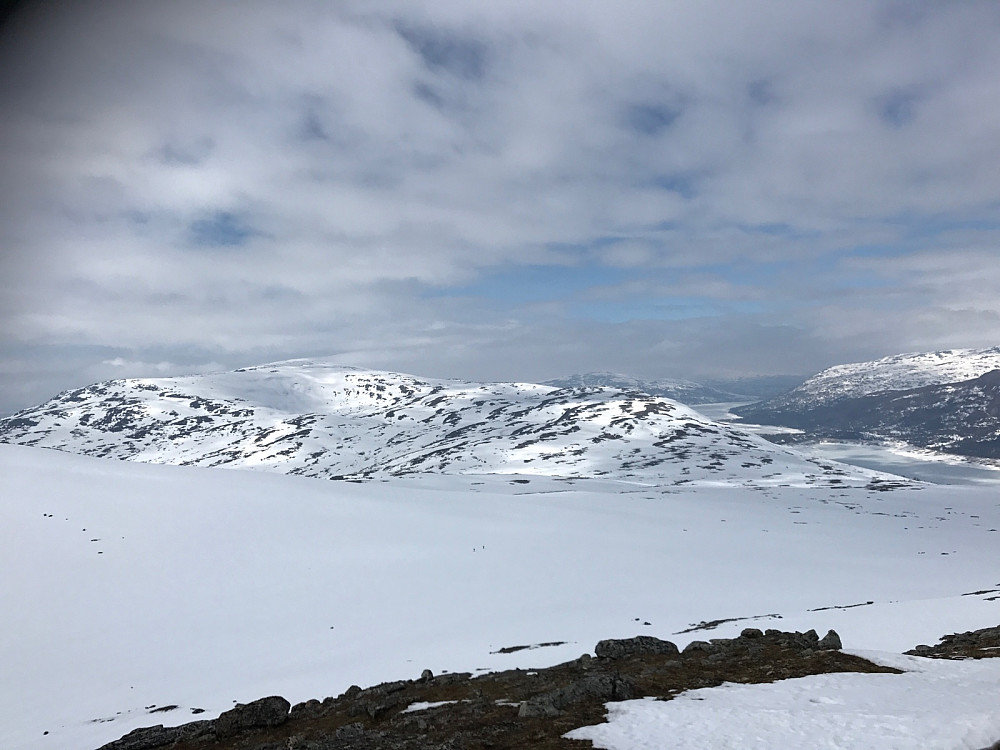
260	178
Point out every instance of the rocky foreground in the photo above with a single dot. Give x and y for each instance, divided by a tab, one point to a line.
512	709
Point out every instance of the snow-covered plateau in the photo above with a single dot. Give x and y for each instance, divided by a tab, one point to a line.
131	587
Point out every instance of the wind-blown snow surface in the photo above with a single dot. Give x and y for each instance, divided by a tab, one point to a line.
319	419
897	373
129	586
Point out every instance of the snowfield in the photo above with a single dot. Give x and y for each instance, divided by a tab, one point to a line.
130	587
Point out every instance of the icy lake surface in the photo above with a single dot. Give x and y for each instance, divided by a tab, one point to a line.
902	461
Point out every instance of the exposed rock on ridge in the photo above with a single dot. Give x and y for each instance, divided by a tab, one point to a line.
512	709
318	419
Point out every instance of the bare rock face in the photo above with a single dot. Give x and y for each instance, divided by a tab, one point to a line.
604	687
260	714
830	642
148	738
974	644
620	648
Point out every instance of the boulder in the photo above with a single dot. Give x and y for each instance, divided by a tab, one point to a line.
145	738
602	687
830	642
260	714
700	646
641	645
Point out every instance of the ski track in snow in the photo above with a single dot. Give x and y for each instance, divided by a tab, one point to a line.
130	586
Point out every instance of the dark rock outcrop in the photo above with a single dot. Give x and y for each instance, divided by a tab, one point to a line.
638	646
973	644
260	714
148	738
514	708
603	687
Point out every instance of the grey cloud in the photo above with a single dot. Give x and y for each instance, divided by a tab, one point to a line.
269	179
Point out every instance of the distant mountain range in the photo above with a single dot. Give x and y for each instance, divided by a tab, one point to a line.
685	391
315	418
946	401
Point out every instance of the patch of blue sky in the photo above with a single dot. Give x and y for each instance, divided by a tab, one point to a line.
220	229
833	272
444	50
536	283
898	108
876	251
660	308
773	229
682	184
933	226
651	118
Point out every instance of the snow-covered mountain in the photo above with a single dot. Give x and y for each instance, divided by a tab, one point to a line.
685	391
897	373
946	401
961	418
319	419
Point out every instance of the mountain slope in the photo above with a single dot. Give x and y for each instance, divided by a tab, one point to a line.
318	419
961	418
897	373
945	401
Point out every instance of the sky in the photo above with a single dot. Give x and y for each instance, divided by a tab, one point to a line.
494	191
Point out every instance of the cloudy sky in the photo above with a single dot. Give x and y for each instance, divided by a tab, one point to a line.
503	190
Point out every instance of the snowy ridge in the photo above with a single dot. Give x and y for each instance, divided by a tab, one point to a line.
896	373
320	419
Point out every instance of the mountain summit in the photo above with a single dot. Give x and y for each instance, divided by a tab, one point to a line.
320	419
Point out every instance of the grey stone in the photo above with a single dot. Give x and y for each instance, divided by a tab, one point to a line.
602	687
830	642
145	738
148	738
641	645
309	708
694	646
259	714
537	708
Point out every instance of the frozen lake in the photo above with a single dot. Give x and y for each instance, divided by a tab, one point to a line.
902	461
908	462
